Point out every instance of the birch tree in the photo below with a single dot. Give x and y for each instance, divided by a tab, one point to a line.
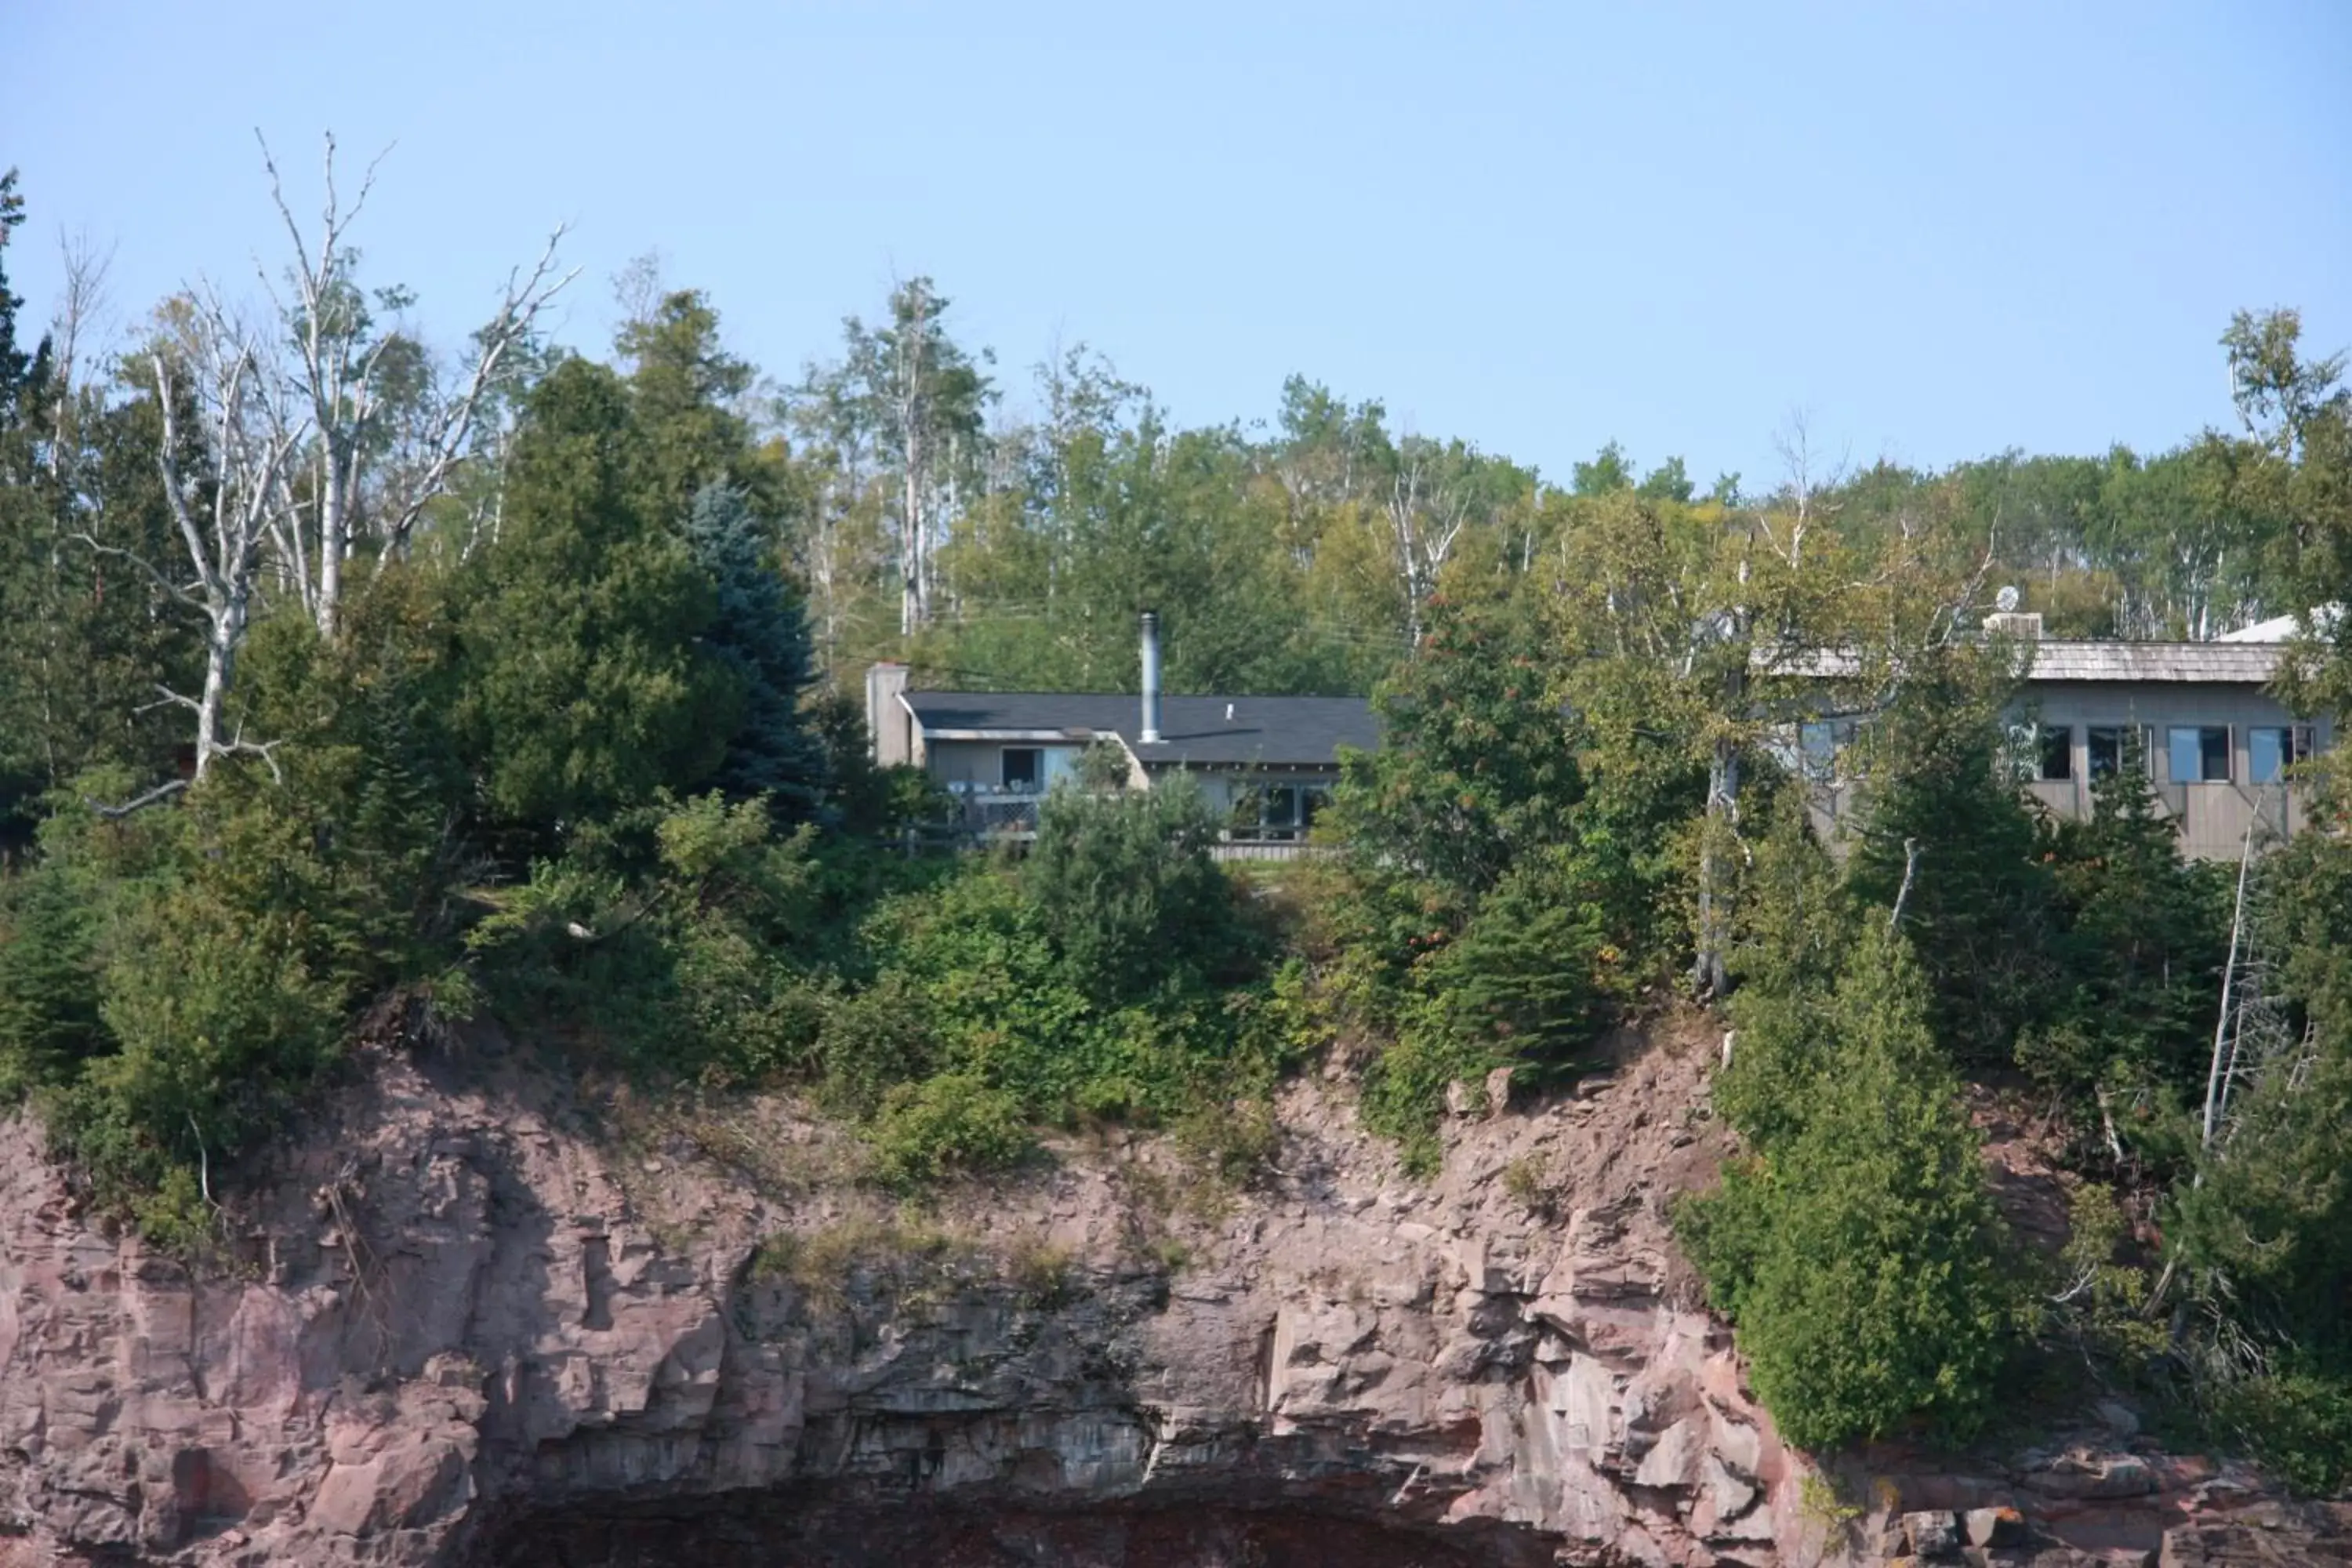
387	425
220	407
1428	505
921	399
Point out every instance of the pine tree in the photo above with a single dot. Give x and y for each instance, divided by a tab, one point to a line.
759	637
1947	837
2146	934
583	690
1858	1250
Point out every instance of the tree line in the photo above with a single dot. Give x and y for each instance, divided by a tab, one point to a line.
353	687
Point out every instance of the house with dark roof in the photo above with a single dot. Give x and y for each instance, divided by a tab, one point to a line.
1265	763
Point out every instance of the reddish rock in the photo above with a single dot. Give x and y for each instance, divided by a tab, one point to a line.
450	1331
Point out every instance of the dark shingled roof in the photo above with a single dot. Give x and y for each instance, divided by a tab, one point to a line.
1294	731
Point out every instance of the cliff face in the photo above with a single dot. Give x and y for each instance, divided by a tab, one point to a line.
459	1330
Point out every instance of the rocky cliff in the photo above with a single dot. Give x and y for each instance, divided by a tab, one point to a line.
463	1323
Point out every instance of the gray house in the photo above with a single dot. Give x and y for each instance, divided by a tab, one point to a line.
1265	763
2198	715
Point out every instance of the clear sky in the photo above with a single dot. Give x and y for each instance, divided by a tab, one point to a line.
1940	229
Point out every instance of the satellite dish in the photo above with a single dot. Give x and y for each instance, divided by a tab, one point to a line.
2005	601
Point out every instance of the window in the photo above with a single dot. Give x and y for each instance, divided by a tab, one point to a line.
1819	741
2198	754
1275	812
2272	749
1022	766
2108	747
2057	751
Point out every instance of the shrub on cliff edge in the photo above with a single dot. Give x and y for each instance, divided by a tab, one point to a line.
1856	1251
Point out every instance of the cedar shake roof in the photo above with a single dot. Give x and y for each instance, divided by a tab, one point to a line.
2234	664
2063	659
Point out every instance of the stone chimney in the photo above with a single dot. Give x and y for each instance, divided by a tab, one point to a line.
888	722
2025	625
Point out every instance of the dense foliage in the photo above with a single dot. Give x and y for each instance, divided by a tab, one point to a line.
1856	1247
508	685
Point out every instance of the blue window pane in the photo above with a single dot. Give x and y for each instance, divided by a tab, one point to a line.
2266	754
1818	742
2186	755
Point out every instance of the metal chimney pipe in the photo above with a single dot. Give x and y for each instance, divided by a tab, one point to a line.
1151	736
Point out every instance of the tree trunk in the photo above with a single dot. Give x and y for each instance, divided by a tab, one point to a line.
222	639
334	529
1709	976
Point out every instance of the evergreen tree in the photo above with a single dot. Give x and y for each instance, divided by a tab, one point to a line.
1946	834
584	691
22	371
684	391
2266	1226
2145	936
1518	983
1858	1250
759	635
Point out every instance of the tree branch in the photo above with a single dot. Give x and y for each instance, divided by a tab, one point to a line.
1903	894
161	792
179	595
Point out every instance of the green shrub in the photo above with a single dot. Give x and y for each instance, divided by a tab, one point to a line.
874	1039
1857	1249
1405	1089
1230	1140
1518	984
51	967
2298	1422
952	1123
200	983
683	939
1126	892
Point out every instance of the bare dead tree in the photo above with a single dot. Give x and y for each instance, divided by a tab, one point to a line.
81	305
2253	1038
223	516
637	289
910	393
1805	483
336	370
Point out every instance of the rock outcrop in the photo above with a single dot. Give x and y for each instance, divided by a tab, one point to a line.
459	1328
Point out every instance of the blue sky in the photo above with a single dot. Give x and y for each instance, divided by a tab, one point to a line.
1939	230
